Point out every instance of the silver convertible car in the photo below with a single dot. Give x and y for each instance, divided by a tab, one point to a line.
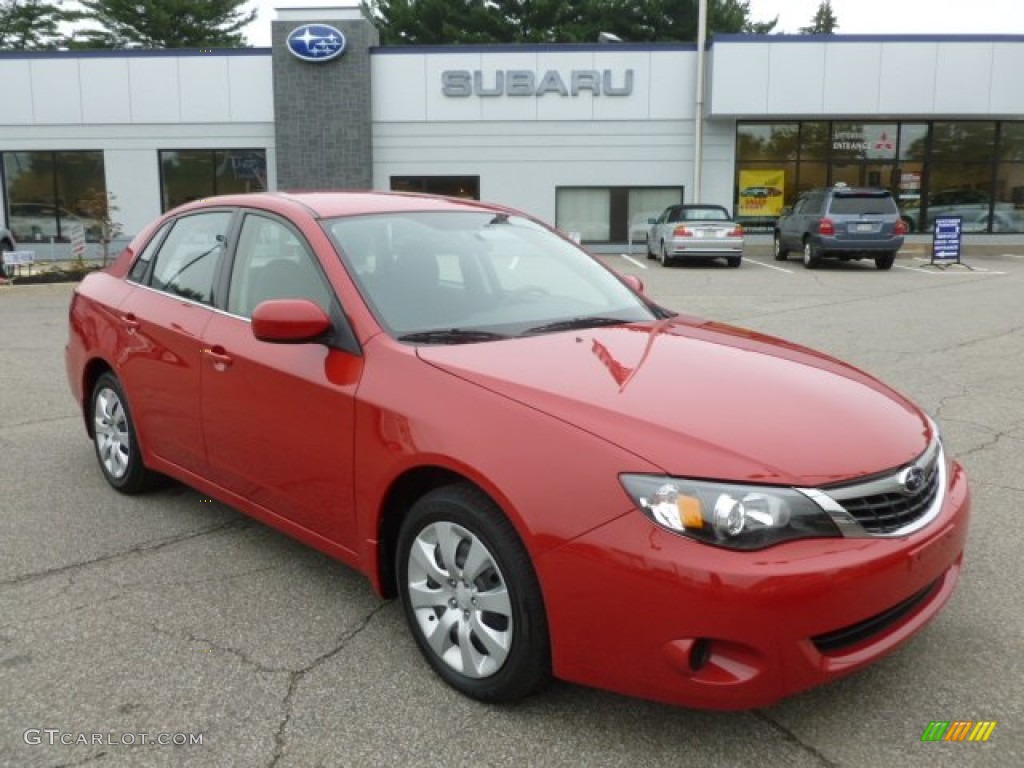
695	231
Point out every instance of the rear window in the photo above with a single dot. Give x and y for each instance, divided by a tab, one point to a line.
858	204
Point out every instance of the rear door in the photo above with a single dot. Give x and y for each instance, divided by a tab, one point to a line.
864	216
164	319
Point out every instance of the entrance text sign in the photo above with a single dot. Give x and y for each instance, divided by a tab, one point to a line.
946	240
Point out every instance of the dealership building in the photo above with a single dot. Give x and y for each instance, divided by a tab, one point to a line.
595	138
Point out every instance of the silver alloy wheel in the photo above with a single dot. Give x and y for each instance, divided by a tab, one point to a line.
663	255
113	441
460	600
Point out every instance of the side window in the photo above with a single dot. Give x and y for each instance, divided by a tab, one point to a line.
273	262
186	263
141	265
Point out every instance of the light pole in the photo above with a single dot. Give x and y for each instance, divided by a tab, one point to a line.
698	130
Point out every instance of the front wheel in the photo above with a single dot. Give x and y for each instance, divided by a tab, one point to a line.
663	255
885	261
115	440
471	597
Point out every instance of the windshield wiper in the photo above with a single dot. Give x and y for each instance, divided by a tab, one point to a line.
452	336
574	323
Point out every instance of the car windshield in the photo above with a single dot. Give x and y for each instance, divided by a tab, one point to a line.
466	276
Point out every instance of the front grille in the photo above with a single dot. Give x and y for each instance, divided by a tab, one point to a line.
888	512
864	630
893	504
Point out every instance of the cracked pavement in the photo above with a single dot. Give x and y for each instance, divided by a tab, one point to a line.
167	614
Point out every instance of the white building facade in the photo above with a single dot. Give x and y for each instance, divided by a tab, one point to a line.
593	138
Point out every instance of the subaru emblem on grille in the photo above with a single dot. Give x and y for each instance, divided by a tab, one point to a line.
912	480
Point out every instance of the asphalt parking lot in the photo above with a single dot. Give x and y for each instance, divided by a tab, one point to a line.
170	614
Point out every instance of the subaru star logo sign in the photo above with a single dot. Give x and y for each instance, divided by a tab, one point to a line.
316	42
913	480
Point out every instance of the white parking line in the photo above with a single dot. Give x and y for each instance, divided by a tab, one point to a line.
769	266
631	260
919	270
945	271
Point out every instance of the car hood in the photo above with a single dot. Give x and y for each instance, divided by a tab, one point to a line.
704	400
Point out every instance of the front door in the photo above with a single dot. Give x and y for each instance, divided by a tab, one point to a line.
279	418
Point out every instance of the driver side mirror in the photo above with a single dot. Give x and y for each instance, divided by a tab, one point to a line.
289	321
634	282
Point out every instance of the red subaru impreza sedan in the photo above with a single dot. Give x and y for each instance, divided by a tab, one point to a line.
554	474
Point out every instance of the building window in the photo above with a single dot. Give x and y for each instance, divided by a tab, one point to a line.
1008	209
194	174
611	214
49	194
972	169
449	186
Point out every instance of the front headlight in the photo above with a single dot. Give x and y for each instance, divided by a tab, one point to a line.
728	514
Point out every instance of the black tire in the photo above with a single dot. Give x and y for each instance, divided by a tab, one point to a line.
663	256
734	261
647	247
781	253
885	261
114	438
516	659
811	259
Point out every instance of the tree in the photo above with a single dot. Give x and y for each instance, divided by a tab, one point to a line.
164	24
27	25
564	21
824	21
101	207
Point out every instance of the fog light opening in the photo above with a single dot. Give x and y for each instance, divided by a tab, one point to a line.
700	652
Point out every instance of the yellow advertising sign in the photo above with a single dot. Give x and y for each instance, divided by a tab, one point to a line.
761	192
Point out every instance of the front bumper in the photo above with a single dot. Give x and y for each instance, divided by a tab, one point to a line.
638	610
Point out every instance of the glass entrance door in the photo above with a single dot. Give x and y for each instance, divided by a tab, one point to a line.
865	173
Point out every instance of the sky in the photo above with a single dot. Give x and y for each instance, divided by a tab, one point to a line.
856	17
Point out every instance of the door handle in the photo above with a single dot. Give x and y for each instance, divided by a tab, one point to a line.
219	357
129	321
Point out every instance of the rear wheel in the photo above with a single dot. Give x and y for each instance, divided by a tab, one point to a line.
471	597
885	261
117	446
734	261
811	260
780	252
663	255
647	246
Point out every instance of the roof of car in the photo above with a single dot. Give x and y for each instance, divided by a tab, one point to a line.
842	189
348	203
